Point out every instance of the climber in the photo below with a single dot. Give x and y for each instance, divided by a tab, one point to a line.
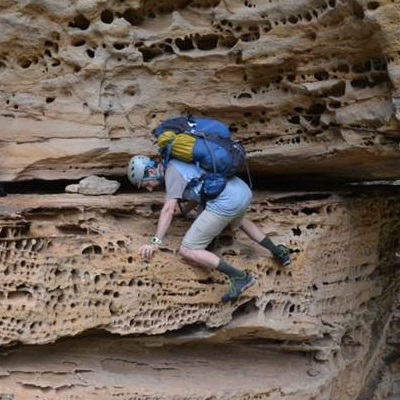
227	209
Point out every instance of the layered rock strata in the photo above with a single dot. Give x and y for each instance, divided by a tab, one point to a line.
310	87
70	266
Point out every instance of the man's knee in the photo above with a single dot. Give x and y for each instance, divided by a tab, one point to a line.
184	251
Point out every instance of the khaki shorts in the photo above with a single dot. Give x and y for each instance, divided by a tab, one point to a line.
206	227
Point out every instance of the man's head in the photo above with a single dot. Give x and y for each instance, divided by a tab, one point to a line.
144	172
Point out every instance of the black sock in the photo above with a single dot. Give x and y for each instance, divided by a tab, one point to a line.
228	270
267	243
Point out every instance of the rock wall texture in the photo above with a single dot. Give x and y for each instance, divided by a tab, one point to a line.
311	88
69	265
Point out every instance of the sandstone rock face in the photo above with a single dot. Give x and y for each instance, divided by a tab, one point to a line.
70	265
312	89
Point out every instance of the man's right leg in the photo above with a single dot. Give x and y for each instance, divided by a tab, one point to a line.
204	229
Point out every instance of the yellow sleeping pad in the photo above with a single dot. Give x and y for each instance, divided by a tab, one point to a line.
181	145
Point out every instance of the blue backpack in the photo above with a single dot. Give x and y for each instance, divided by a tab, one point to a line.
190	124
205	142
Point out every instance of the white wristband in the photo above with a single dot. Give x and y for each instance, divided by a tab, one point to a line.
155	240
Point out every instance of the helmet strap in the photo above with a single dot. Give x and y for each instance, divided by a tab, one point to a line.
159	176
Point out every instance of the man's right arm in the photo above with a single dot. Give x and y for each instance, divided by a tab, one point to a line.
166	216
164	222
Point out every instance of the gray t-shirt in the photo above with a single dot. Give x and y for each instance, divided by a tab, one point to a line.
177	176
233	200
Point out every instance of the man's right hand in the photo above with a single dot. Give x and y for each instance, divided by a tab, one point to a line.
147	250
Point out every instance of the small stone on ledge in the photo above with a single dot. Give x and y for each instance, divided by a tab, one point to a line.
94	186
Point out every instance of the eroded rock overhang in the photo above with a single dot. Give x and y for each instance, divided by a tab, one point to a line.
310	87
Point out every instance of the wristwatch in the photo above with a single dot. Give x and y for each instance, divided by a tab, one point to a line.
155	240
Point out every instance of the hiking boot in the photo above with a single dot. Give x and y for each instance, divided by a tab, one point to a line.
283	256
237	285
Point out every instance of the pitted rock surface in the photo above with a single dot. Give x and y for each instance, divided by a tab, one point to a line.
70	266
311	88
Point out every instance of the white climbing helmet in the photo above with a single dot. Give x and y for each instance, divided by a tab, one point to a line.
137	168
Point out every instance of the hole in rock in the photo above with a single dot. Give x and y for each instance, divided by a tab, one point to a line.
107	16
95	249
191	329
185	44
373	5
207	281
149	53
77	42
80	22
245	309
207	42
134	17
321	75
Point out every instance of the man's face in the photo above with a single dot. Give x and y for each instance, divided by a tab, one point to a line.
151	180
149	185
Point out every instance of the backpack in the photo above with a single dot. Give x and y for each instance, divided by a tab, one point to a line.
202	141
206	187
205	142
193	125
